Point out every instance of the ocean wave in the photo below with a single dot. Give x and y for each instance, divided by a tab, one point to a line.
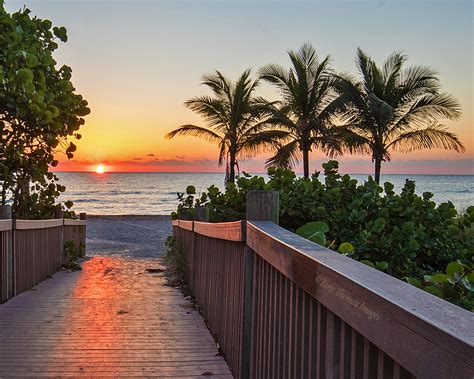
464	190
93	200
155	193
126	192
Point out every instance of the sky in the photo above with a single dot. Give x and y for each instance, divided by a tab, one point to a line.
136	62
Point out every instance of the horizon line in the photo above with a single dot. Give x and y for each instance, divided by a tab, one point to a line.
253	173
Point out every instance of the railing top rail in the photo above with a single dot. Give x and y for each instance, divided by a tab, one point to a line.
387	311
70	222
6	225
186	225
229	231
38	224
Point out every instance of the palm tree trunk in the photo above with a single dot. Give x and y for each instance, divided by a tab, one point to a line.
378	168
232	168
306	162
4	194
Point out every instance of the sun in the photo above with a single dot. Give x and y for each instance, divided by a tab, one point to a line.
100	169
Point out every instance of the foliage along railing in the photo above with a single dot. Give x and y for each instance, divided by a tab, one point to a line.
282	306
32	250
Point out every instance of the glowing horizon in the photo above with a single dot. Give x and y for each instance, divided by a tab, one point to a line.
137	62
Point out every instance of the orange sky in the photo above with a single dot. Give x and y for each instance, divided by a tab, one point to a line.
137	62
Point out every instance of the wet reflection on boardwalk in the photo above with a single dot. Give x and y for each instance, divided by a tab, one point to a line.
112	319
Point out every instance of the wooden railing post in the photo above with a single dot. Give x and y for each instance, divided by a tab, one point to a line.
6	214
83	216
260	206
59	214
263	206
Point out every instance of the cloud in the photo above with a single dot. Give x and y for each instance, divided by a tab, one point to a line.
465	163
168	162
151	155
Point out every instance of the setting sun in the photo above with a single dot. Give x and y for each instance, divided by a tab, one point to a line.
100	169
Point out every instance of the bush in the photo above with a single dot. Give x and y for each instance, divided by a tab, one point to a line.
405	235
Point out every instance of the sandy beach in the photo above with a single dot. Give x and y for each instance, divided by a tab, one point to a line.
127	236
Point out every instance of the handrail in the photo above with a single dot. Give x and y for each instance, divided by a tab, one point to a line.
229	231
6	225
186	225
38	224
31	250
71	222
389	312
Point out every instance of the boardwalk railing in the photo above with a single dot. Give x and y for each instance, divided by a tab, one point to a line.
281	306
32	250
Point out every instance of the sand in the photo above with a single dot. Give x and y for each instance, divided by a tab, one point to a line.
127	236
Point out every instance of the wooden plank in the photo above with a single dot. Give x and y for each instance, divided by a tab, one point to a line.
5	225
111	319
71	222
186	225
37	224
389	312
229	231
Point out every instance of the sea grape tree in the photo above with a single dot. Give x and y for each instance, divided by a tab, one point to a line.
40	113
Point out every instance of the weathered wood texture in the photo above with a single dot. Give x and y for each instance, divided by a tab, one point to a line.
228	231
185	245
38	224
215	269
75	231
318	314
6	262
37	254
218	289
112	319
338	317
6	253
262	206
32	250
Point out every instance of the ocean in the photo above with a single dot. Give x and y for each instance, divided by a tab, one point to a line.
156	193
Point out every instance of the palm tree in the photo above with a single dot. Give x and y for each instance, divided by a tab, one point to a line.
395	108
234	120
307	106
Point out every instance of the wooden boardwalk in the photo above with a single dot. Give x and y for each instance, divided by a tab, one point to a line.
112	319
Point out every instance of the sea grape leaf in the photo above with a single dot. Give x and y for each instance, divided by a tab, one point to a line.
414	282
435	291
314	231
439	278
382	266
345	248
454	268
368	263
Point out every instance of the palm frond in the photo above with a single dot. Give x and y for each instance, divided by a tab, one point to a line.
278	76
413	82
211	109
195	131
286	156
352	142
434	136
219	84
391	70
222	152
260	142
436	105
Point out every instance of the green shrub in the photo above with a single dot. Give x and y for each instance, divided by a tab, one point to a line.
455	285
404	234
